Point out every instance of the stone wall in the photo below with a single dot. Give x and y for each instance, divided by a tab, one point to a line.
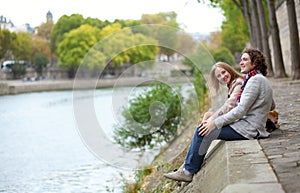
282	19
235	167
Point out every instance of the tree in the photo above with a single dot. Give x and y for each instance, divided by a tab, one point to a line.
219	52
277	53
109	44
167	38
127	23
224	55
139	52
110	29
40	46
6	41
264	36
164	30
94	22
75	45
152	117
22	46
63	25
235	33
44	30
186	43
167	18
243	5
255	25
123	46
200	59
237	26
294	39
215	40
18	69
40	62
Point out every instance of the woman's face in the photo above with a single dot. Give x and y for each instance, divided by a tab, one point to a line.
246	64
222	75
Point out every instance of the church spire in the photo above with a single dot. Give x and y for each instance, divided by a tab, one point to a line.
49	16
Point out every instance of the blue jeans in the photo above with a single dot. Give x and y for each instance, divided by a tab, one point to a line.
200	145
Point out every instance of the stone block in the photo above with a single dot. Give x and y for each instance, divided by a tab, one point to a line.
235	166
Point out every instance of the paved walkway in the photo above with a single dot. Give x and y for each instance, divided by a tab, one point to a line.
283	147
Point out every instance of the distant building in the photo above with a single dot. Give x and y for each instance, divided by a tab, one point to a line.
49	17
8	25
23	28
4	24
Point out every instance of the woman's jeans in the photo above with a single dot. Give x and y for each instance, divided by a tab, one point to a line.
200	145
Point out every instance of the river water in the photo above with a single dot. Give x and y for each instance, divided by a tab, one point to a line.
41	149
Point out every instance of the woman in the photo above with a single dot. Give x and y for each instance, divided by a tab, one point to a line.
245	121
223	74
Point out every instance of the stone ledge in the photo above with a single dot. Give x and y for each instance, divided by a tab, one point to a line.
235	166
18	86
255	188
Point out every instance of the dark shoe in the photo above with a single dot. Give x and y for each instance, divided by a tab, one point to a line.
179	176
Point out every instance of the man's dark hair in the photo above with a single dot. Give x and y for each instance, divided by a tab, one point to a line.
258	59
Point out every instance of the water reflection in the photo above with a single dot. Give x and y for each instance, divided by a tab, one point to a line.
41	150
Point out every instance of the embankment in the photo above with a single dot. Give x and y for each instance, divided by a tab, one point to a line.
18	86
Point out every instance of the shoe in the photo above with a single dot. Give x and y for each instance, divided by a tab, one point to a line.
179	176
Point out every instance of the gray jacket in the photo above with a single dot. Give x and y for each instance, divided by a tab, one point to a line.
250	116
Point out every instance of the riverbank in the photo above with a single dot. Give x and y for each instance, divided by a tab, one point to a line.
265	165
19	86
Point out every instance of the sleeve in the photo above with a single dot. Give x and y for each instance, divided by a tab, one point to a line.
230	103
248	97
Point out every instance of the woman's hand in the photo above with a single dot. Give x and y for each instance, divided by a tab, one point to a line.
206	116
207	127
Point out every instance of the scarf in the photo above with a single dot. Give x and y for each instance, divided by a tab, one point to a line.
251	73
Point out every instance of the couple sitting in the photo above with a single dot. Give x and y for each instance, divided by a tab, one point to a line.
242	117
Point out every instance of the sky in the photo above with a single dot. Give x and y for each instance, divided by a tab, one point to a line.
192	16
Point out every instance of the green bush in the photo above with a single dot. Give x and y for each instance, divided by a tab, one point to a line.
152	117
40	61
18	70
224	55
200	88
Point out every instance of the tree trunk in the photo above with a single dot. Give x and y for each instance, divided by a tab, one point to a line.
255	25
264	34
277	53
246	13
294	39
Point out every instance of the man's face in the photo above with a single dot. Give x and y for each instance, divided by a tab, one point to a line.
246	64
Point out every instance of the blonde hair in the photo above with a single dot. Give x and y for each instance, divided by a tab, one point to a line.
213	81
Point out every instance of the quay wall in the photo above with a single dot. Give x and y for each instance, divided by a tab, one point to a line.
18	86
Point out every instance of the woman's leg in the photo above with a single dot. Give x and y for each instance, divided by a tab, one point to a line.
200	145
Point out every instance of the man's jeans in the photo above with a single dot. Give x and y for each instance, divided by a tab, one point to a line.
200	145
